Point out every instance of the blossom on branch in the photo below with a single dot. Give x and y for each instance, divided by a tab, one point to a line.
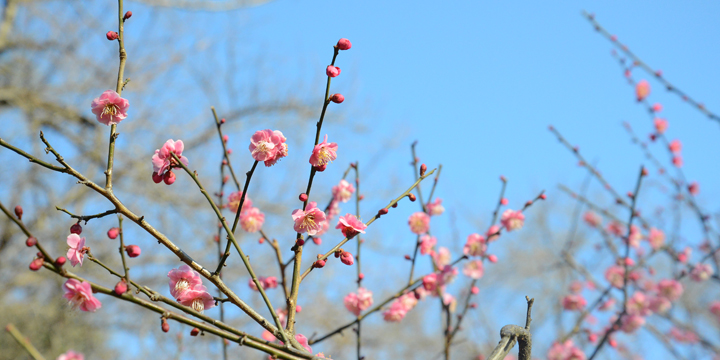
183	279
234	201
252	220
163	160
475	245
350	225
76	252
323	153
309	220
512	220
435	208
80	295
342	191
110	108
268	146
71	355
198	298
419	223
474	269
427	243
358	302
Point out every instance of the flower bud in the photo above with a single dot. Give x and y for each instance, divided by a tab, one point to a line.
298	308
361	276
423	169
128	15
303	197
133	250
31	241
164	325
36	264
225	138
493	258
60	261
169	178
407	257
504	201
347	258
412	197
222	121
18	212
337	98
543	196
395	205
113	233
317	241
300	242
382	211
194	332
121	287
332	71
320	168
475	290
111	35
319	264
157	178
344	44
76	229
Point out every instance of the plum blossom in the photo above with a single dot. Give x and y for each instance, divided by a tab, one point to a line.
80	295
512	220
431	282
323	153
675	146
269	282
347	258
110	108
350	225
592	219
574	302
660	304
198	298
182	279
234	201
442	257
715	309
77	249
395	313
701	272
684	336
450	302
475	245
565	351
635	236
435	208
630	323
427	243
642	90
358	302
615	228
252	220
473	269
343	191
268	146
639	304
670	289
302	340
71	355
163	161
495	229
615	275
310	220
656	238
419	223
660	125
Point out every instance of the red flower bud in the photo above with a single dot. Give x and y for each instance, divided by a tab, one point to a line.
121	287
382	211
407	257
157	178
113	233
298	308
165	326
395	205
320	168
319	264
18	212
111	35
169	178
194	332
543	196
222	121
361	276
412	197
60	261
127	15
31	241
332	71
36	264
303	197
133	250
344	44
76	229
337	98
423	169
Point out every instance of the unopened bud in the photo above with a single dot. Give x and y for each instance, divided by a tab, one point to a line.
303	197
121	287
194	332
222	121
113	233
504	201
344	44
407	257
300	242
133	250
31	241
36	264
473	305
382	211
361	276
412	197
169	178
225	138
76	229
18	212
492	258
157	178
128	15
337	98
395	205
164	325
111	35
475	290
543	196
60	261
298	308
319	264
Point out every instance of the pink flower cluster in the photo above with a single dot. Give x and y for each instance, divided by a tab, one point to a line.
358	302
574	302
565	351
512	220
163	162
268	146
110	108
269	282
400	307
186	286
475	245
80	295
343	191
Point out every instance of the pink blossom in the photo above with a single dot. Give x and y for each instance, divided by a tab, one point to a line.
447	275
323	153
435	208
163	161
396	312
268	336
198	298
675	146
80	295
630	323
607	305
110	108
358	302
430	282
565	351
592	219
616	228
656	238
76	253
657	107
684	336
234	201
659	304
419	223
473	269
694	188
701	272
303	341
715	308
71	355
350	225
332	71
182	279
450	302
639	304
642	90
442	257
512	220
252	220
615	276
270	282
333	210
574	302
635	236
577	286
475	245
677	161
343	191
660	125
491	233
670	289
347	258
427	243
268	146
310	220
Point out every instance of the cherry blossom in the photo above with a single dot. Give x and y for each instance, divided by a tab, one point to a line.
80	295
234	201
268	146
77	249
110	108
310	220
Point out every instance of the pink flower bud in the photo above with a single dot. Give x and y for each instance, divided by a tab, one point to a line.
31	241
303	197
475	290
60	261
18	212
347	258
164	325
157	178
127	15
361	276
473	305
543	196
133	250
169	178
76	229
382	211
113	233
36	264
317	241
226	178
504	201
492	258
222	121
337	98
194	332
319	264
332	71
225	138
121	287
407	257
111	35
412	197
229	151
298	308
344	44
629	262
